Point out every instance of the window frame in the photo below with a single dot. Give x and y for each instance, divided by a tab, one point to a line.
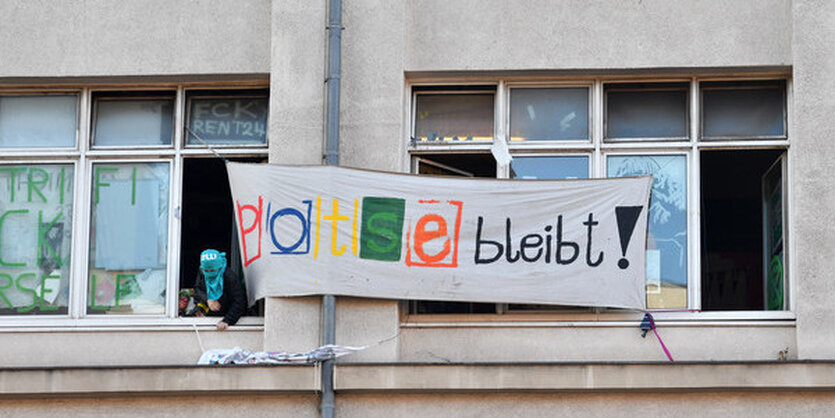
436	145
83	156
138	97
548	143
785	97
84	289
687	121
30	151
192	93
599	148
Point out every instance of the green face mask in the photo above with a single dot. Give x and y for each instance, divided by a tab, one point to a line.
212	266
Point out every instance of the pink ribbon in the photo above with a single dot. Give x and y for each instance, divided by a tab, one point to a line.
660	341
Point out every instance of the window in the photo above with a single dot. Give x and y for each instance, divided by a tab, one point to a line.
227	117
716	149
552	168
745	110
38	121
129	237
131	119
646	110
542	114
454	115
106	221
35	238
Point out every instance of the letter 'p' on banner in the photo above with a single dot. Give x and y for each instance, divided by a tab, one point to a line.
307	230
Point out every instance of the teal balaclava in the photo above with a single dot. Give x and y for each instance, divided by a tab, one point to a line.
212	265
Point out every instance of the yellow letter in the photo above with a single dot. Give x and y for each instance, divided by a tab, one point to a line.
318	226
354	228
335	218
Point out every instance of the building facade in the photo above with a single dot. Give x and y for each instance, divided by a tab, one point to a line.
114	116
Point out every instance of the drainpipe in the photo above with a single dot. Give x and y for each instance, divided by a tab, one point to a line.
334	29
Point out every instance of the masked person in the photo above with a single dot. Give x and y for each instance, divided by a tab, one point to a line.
218	291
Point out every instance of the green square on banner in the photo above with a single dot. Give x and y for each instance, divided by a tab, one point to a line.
382	228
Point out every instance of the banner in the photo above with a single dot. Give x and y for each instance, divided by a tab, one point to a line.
309	230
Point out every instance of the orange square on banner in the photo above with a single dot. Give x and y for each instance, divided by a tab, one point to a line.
432	241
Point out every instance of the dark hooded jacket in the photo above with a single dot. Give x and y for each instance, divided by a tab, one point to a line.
232	301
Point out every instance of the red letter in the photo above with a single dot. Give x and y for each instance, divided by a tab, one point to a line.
256	224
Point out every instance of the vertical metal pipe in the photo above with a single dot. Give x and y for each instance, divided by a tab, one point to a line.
331	158
333	81
329	332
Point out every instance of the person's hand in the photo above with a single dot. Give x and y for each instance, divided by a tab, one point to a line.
214	305
222	326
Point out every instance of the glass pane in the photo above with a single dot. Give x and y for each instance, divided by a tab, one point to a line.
128	238
229	121
555	168
667	236
549	113
35	237
37	121
133	122
745	112
773	224
637	113
454	117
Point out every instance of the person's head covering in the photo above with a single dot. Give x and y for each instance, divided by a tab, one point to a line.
212	266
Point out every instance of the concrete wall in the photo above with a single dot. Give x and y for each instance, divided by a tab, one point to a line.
45	38
54	348
472	35
166	406
588	405
813	171
593	342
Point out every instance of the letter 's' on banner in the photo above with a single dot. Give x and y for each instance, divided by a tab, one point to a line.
307	230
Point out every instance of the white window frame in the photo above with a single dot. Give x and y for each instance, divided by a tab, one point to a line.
547	144
599	147
82	156
615	139
194	93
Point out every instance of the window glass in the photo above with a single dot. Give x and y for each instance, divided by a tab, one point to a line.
556	168
454	117
38	121
549	113
121	122
666	263
743	109
128	238
646	111
36	213
774	246
235	120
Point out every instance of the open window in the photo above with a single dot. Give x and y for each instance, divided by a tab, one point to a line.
463	165
208	219
743	237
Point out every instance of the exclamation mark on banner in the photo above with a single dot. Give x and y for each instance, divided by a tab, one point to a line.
627	218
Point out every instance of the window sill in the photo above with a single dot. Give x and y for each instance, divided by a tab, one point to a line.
63	324
601	320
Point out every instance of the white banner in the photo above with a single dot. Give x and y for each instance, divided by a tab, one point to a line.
308	230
